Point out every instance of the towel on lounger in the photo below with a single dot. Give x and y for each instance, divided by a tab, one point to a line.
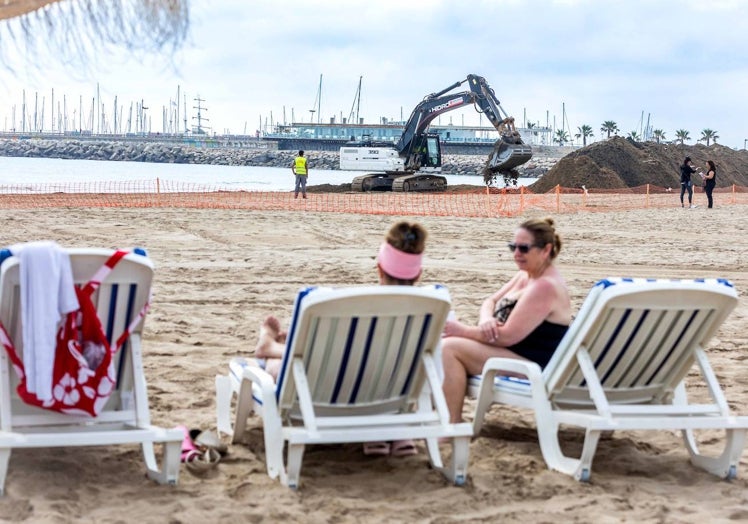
47	294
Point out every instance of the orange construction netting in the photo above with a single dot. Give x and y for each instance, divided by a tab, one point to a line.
480	203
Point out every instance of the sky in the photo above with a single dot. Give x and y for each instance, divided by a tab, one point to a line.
671	64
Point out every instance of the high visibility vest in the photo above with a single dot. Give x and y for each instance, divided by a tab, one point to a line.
300	165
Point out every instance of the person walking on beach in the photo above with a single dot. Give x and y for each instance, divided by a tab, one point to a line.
710	180
686	170
301	170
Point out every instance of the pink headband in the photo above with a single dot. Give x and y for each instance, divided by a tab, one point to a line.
398	264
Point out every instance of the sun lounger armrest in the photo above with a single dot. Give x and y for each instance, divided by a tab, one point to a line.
498	366
4	255
263	379
530	369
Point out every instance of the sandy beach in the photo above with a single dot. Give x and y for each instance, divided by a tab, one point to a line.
219	272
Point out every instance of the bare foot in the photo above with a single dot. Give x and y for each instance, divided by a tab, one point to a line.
272	325
271	343
264	348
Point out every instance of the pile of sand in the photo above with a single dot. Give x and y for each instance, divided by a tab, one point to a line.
619	163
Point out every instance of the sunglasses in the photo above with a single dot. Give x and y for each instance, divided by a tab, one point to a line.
523	248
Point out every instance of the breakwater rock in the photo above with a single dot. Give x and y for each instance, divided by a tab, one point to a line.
170	153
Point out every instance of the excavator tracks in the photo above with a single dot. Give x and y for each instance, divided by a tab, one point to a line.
398	182
419	183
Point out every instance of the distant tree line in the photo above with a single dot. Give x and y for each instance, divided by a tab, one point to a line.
610	128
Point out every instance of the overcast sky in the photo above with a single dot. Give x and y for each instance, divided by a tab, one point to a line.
677	64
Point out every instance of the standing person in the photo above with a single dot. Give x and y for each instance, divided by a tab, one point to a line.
686	170
525	319
398	264
301	170
710	180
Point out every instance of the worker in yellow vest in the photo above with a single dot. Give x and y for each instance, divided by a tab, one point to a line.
301	171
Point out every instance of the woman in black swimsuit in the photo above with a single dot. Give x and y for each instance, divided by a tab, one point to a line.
525	319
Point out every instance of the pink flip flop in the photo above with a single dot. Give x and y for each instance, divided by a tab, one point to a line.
404	448
376	448
189	450
197	458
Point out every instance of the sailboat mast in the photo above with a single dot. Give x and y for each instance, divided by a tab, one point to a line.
358	98
319	98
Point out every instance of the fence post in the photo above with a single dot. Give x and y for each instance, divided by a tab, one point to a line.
733	194
508	198
646	200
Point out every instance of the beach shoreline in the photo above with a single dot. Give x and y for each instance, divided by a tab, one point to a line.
220	271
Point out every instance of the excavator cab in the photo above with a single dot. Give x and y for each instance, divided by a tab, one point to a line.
426	155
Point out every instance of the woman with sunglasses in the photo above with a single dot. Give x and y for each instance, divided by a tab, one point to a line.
525	319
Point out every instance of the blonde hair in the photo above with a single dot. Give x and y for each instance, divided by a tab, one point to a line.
543	232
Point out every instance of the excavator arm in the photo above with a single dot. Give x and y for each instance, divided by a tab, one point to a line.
509	151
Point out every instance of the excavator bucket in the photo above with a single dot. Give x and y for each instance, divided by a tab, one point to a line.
505	156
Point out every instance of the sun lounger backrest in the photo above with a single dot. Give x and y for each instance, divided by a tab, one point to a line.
361	348
640	336
118	301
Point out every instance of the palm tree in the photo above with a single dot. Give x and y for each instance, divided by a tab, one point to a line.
708	135
633	135
681	135
532	125
561	137
609	127
584	132
658	135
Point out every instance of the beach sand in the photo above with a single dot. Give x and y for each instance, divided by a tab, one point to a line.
219	272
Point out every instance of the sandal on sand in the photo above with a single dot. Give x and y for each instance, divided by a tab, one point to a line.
197	458
203	461
376	448
404	448
208	439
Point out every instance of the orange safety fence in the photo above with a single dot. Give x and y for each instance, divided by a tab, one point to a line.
478	203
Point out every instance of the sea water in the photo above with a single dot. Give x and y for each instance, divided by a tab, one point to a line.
16	171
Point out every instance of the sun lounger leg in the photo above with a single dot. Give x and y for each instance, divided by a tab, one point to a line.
435	457
295	456
724	466
243	409
584	470
169	471
457	472
4	458
223	405
554	457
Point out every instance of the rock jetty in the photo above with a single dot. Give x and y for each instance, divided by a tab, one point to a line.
175	153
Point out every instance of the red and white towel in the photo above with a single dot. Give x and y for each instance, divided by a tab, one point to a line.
47	294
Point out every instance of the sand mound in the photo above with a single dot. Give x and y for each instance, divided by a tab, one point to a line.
619	163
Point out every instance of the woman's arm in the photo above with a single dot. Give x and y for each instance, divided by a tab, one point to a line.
489	305
534	306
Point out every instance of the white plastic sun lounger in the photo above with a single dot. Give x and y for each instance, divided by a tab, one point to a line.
622	366
125	418
359	367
